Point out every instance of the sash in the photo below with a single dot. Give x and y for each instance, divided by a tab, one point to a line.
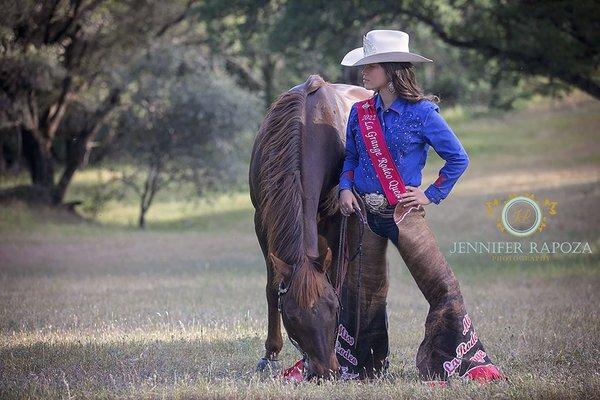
380	156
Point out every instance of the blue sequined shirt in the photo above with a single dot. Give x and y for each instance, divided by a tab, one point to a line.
409	129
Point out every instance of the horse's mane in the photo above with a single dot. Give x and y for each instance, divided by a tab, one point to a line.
280	177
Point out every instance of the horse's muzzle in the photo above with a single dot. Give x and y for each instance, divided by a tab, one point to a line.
316	369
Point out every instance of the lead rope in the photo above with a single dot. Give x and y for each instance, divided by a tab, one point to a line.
359	252
342	264
342	246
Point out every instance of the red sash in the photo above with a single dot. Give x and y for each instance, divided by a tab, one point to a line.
380	156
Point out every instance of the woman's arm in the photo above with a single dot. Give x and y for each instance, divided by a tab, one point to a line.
446	144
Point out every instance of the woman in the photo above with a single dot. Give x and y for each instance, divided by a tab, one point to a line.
387	140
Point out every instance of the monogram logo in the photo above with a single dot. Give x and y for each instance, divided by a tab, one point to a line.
522	215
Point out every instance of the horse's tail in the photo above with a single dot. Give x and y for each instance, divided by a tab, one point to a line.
280	184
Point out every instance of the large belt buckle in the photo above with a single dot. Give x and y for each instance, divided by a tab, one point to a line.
375	201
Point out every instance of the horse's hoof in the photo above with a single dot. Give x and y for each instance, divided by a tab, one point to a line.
270	366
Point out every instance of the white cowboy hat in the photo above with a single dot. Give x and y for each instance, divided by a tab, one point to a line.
382	46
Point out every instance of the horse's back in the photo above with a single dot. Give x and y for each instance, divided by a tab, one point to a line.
325	105
331	104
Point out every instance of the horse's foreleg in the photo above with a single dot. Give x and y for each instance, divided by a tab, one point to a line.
274	341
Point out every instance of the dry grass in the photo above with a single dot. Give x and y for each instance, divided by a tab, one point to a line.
178	311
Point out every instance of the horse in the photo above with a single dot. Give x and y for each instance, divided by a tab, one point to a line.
296	160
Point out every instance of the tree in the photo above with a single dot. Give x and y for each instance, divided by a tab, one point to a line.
182	125
238	33
491	52
559	40
556	39
54	54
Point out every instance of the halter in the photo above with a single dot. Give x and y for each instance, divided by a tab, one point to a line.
283	289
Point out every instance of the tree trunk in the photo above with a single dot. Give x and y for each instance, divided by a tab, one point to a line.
39	159
142	219
268	71
3	162
76	149
77	146
151	186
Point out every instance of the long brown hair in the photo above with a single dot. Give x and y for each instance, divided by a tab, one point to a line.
402	75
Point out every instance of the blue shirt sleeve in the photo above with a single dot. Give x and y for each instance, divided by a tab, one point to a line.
351	154
440	136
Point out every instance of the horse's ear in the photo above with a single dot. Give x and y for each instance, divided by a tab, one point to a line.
281	267
322	245
324	259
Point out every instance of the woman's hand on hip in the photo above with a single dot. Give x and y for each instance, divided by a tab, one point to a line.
348	202
413	197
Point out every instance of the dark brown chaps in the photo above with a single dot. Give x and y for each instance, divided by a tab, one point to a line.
450	346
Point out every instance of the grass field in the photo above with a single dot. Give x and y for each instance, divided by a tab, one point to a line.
103	310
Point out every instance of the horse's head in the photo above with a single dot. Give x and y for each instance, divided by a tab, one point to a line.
309	308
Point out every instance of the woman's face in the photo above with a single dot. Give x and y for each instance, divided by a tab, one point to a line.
374	77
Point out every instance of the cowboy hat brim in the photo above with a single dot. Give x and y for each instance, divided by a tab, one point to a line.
356	57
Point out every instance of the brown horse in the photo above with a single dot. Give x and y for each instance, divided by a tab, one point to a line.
296	161
294	170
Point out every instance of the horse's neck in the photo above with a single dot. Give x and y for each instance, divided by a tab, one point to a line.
326	108
347	95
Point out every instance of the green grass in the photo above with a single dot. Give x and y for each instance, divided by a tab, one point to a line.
100	309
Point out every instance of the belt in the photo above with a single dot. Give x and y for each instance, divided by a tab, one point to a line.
376	203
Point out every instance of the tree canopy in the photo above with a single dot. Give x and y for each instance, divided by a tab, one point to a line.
71	72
